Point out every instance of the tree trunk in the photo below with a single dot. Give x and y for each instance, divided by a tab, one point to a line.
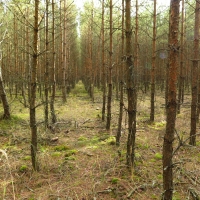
152	113
103	66
171	104
90	54
64	66
131	91
121	105
53	78
16	56
110	71
46	75
33	86
4	99
195	76
181	75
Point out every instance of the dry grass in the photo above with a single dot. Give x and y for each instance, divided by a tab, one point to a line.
84	163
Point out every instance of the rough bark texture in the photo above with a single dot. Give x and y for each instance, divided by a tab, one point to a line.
4	100
171	101
103	65
46	90
121	105
195	76
152	113
131	91
33	87
53	79
110	73
64	66
90	54
181	75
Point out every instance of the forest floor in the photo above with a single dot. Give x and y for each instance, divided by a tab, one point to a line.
79	160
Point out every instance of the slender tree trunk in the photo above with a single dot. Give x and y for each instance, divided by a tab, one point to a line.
167	68
121	105
33	86
46	75
16	56
110	71
64	88
90	48
131	91
23	82
103	65
53	79
195	76
4	99
136	45
181	75
28	57
171	104
152	113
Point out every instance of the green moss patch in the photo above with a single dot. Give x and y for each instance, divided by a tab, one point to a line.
61	148
158	156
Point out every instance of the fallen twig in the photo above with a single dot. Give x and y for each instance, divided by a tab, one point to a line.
142	187
193	193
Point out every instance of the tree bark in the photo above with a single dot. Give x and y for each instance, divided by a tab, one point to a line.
121	105
103	65
152	113
33	86
110	71
46	75
53	78
64	66
171	101
131	91
195	63
4	99
181	75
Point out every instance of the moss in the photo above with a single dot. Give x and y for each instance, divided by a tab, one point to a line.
70	158
43	149
158	156
94	140
111	141
153	196
23	168
93	147
114	180
157	125
56	154
198	143
138	156
71	152
82	138
61	148
27	158
160	176
176	196
153	160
